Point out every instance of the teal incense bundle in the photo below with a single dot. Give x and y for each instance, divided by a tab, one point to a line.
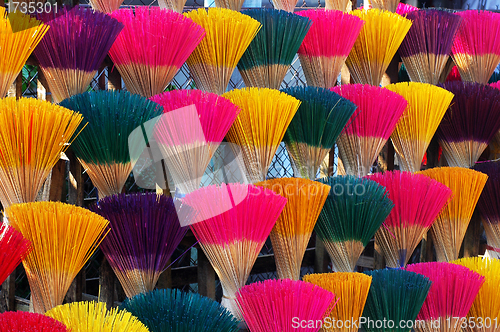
270	54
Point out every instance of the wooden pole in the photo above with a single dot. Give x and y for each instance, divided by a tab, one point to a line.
206	276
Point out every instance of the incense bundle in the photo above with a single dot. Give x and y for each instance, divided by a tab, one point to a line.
95	317
353	211
282	305
63	237
370	126
485	311
395	295
74	48
341	5
175	311
489	205
452	293
103	146
33	135
426	48
327	45
427	105
453	75
270	54
229	33
144	231
311	135
291	234
352	290
448	230
376	45
404	9
20	35
106	6
188	137
13	248
417	202
476	48
495	85
470	123
152	47
175	5
233	222
260	127
20	321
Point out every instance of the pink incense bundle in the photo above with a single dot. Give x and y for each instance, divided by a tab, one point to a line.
476	48
13	248
232	224
370	126
327	45
417	202
404	9
190	131
152	47
284	306
454	288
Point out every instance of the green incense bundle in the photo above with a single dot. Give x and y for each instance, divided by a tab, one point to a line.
353	212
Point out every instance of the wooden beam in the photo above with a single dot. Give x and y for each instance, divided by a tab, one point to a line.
205	276
7	294
114	78
57	181
321	258
106	283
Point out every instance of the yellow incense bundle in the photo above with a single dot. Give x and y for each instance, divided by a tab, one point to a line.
376	45
291	234
228	34
33	135
427	105
352	290
259	128
449	229
95	317
63	237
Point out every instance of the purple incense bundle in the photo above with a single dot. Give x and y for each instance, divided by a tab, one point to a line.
73	49
426	48
470	122
144	232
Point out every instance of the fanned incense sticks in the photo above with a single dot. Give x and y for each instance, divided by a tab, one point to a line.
291	234
144	231
426	48
470	123
337	5
188	138
152	47
13	248
476	48
376	45
353	211
106	6
327	45
20	35
315	127
228	35
74	48
63	237
175	5
284	305
404	9
485	311
389	5
33	135
489	205
94	317
260	127
286	5
427	105
20	321
452	293
417	202
176	311
103	147
352	290
448	230
270	54
370	126
233	222
395	295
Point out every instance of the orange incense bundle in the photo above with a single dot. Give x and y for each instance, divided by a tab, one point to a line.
294	227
